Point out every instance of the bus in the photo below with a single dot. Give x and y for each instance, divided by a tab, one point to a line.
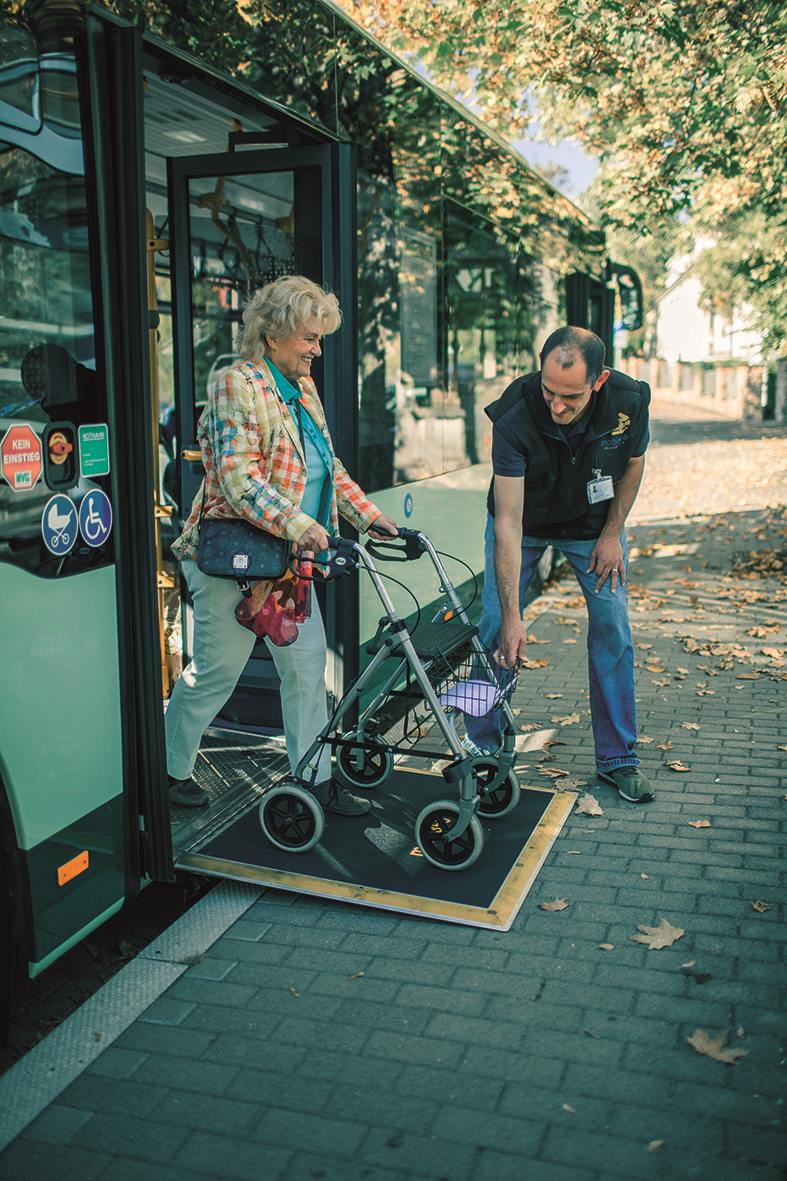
145	191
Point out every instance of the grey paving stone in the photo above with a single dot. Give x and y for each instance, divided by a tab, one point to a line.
268	954
211	969
311	936
509	1066
56	1124
91	1092
347	1068
256	1023
422	996
449	1087
363	987
239	1160
417	1155
246	929
305	1167
186	1043
254	1052
332	1036
463	1125
129	1135
400	1048
291	1002
502	1166
135	1170
186	1074
208	1113
475	1030
287	1128
269	1089
526	1101
367	1015
619	1085
116	1063
167	1011
410	973
211	992
31	1160
383	1108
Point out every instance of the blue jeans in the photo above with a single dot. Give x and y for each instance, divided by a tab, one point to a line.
610	651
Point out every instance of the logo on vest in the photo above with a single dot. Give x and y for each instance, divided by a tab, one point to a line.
624	422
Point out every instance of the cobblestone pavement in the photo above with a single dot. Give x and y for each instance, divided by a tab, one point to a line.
316	1040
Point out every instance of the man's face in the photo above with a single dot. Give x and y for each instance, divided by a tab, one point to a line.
567	392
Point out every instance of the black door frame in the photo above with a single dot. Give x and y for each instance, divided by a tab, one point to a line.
115	177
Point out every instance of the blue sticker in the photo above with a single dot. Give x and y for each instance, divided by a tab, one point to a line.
408	505
59	524
95	518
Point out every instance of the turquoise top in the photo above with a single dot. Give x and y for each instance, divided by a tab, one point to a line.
319	461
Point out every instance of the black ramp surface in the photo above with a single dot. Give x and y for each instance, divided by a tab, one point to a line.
378	850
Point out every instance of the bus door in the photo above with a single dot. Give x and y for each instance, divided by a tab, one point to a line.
238	220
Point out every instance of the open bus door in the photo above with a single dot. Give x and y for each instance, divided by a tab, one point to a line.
236	221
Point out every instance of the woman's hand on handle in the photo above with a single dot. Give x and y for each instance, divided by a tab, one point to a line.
383	525
314	539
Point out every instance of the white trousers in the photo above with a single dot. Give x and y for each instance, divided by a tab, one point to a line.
221	649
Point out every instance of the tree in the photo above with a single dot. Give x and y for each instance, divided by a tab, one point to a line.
681	100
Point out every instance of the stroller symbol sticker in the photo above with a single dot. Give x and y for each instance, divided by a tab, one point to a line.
59	524
95	518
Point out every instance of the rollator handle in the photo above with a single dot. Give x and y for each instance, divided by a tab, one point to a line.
388	551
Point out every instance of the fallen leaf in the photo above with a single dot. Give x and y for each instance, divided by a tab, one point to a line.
553	696
699	823
531	639
689	726
558	904
568	720
666	745
516	712
574	852
689	964
572	782
590	1033
568	1107
527	663
739	1032
606	946
552	772
644	740
589	806
294	991
658	937
781	746
98	1035
760	907
645	877
655	1145
677	765
644	647
356	976
569	641
715	1047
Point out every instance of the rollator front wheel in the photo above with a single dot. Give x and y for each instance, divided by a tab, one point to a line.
433	834
291	818
500	800
364	768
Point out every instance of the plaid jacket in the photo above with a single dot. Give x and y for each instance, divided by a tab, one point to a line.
254	462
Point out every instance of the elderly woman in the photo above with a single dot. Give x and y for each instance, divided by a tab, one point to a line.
268	459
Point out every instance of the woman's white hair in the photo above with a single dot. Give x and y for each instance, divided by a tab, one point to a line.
282	308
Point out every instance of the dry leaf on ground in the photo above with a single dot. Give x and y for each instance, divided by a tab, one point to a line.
553	696
677	765
645	740
748	677
569	1108
760	906
689	726
658	937
558	904
606	946
589	806
715	1047
567	720
699	823
527	663
781	746
665	745
655	1145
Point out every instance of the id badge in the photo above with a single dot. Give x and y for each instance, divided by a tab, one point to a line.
600	487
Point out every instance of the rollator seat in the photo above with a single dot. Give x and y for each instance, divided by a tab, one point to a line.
434	639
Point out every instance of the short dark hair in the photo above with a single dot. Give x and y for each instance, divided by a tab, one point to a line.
568	342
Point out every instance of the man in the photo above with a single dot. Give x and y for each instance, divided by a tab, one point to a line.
568	455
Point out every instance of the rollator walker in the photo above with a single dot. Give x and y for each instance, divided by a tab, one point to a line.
432	690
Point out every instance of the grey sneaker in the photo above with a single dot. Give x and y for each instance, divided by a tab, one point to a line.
337	799
630	783
187	794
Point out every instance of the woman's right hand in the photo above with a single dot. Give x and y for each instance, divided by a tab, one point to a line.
314	539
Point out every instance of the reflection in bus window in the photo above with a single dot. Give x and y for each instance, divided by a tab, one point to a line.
47	345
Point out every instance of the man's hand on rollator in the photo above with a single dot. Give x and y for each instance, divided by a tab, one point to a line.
512	648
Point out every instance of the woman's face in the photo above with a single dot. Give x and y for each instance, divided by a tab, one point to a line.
293	355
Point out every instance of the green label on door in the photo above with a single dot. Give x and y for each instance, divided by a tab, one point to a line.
94	449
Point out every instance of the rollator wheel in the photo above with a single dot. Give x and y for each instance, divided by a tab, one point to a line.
433	834
501	799
364	768
291	818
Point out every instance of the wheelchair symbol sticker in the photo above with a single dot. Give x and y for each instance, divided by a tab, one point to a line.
59	524
95	518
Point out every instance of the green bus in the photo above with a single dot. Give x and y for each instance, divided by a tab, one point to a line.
144	192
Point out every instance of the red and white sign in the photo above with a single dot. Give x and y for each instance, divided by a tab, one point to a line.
21	457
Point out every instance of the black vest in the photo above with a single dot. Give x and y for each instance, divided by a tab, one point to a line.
556	503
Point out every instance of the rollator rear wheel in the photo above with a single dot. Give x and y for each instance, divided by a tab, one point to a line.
501	799
364	768
433	834
291	818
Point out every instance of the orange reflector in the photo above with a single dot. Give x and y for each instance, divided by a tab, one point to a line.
448	615
72	868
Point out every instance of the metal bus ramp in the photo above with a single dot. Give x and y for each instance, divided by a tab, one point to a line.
371	860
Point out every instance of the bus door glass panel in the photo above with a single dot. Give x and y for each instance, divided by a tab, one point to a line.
233	230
